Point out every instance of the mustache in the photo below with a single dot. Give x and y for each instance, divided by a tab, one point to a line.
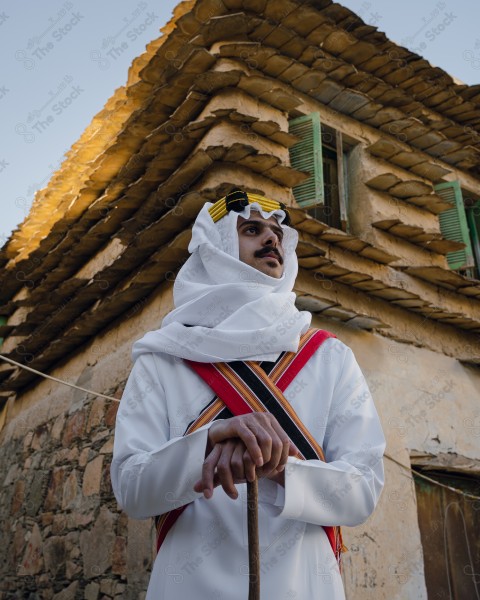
266	250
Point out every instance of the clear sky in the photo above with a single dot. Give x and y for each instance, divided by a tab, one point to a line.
61	61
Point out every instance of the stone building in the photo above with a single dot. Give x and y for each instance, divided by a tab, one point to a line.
377	153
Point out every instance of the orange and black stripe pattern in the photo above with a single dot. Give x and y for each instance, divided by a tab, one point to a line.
249	386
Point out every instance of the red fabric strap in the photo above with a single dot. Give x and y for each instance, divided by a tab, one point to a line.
302	358
221	387
238	406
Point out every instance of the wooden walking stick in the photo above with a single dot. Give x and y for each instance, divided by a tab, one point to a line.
253	546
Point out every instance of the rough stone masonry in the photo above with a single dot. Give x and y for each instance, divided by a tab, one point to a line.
63	534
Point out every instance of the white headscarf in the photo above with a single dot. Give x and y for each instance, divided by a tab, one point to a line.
225	309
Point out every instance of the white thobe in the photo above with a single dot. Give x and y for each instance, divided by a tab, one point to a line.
205	554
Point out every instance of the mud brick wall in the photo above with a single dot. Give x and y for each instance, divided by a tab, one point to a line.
63	535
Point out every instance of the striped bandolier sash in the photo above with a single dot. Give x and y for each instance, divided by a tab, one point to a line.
245	387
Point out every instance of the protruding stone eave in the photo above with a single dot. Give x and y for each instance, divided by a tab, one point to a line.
420	331
48	207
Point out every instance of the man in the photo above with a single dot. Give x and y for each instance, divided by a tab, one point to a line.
180	453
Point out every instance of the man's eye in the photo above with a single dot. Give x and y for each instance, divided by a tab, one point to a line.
252	228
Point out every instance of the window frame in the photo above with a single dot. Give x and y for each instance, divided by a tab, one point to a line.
473	221
317	144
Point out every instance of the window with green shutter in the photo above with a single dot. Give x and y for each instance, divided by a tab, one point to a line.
321	152
454	226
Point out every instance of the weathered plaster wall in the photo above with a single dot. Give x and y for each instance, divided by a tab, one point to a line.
426	401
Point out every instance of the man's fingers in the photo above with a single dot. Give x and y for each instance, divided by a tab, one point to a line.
238	427
263	439
223	466
237	461
276	448
261	433
284	455
208	471
270	438
294	451
254	442
266	450
224	469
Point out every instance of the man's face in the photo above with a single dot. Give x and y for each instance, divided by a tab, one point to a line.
260	244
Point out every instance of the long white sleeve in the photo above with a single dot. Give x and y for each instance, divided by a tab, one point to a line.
345	489
152	474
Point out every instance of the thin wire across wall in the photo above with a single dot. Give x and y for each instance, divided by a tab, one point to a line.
72	385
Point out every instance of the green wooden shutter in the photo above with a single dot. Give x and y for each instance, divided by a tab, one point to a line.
473	220
453	225
306	156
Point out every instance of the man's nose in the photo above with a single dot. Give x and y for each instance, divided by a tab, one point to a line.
271	238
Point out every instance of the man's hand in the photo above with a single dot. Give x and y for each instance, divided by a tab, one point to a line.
227	464
243	447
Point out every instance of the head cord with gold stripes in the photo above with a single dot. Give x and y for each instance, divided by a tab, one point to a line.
237	200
